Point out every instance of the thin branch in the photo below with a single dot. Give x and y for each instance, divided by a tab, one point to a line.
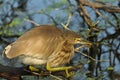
117	20
91	57
103	6
84	14
28	20
104	18
117	55
112	36
10	36
69	16
51	17
55	77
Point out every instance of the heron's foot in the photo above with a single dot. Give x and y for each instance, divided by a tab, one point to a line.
60	69
69	74
33	68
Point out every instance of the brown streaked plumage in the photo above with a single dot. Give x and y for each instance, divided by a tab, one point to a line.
44	44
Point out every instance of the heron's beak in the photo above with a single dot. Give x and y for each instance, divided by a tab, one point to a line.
82	41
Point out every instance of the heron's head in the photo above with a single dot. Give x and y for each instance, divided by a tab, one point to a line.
74	38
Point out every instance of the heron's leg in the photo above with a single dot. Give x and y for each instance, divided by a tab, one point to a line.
33	68
59	69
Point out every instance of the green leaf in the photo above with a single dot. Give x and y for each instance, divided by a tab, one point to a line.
15	22
88	61
91	79
110	68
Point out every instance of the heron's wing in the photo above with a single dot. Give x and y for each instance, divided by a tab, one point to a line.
39	42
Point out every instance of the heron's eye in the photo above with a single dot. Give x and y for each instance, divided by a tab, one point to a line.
75	39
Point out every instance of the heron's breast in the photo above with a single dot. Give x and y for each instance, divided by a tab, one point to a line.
61	58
